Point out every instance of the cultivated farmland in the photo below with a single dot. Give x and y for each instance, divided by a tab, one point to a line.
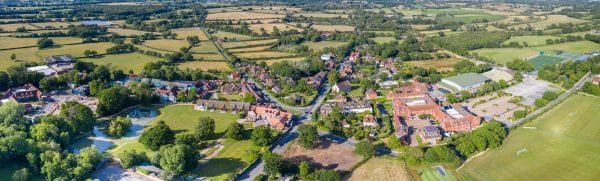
242	16
229	45
562	144
125	62
204	65
331	28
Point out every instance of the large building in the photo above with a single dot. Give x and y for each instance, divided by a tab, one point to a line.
464	82
413	100
267	115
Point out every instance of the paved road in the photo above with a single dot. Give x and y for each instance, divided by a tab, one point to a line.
551	104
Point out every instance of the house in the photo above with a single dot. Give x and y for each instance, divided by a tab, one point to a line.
343	86
166	94
354	56
267	115
231	88
347	107
317	79
25	93
223	106
329	64
235	76
369	121
430	134
464	82
498	74
277	89
327	56
596	80
371	94
340	98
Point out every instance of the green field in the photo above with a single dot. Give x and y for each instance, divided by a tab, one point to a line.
504	55
36	55
228	35
383	39
540	61
125	62
232	158
185	118
531	40
430	174
317	46
205	47
562	144
469	18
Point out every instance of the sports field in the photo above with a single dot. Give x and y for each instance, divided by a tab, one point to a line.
125	62
504	55
540	62
562	144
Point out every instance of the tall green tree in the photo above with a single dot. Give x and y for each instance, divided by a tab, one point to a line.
157	136
308	135
262	136
205	129
273	164
78	116
177	159
365	149
235	131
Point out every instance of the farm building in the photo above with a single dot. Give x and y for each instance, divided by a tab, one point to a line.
463	82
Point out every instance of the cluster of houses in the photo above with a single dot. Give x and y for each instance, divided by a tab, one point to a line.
55	65
354	105
256	114
412	101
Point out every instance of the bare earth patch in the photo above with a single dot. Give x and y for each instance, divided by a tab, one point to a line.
326	155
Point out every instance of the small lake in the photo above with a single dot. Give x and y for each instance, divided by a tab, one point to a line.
140	117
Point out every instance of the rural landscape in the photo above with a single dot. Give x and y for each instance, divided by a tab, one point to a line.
321	90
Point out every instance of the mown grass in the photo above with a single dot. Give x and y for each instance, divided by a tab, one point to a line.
204	65
562	144
36	55
125	62
531	40
317	46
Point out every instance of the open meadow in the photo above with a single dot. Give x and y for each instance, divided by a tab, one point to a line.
36	55
439	64
204	65
383	39
504	55
321	15
269	27
185	118
380	169
531	40
11	42
272	61
126	32
228	35
561	144
14	27
250	49
228	45
182	33
317	46
332	28
552	19
167	44
326	154
242	16
264	54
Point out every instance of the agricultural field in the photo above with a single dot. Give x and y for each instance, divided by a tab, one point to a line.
469	18
204	65
167	44
317	46
380	169
562	144
272	61
36	55
13	27
209	57
264	54
383	39
55	25
321	15
10	42
126	32
439	64
183	33
125	62
383	33
332	28
242	16
205	47
531	40
504	55
269	27
228	35
552	19
229	45
250	49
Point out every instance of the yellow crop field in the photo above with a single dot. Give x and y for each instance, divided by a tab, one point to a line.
321	15
331	28
247	43
242	15
269	27
266	54
182	33
272	61
204	65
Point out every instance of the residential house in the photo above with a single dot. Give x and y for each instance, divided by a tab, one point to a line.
25	93
596	80
329	64
430	134
317	79
267	115
327	56
340	98
230	88
343	86
371	94
354	56
277	89
167	94
223	106
347	107
235	76
388	84
369	121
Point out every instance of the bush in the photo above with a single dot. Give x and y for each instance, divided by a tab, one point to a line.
131	158
119	126
156	136
550	95
540	102
365	149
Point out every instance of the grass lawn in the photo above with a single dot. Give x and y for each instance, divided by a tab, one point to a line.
205	47
383	39
11	42
126	32
562	144
531	40
264	54
228	35
323	44
129	145
232	158
380	169
504	55
204	65
183	33
125	62
185	118
430	174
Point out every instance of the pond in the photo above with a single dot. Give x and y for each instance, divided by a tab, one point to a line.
140	117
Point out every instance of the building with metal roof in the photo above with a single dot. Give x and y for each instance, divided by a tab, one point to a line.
463	82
